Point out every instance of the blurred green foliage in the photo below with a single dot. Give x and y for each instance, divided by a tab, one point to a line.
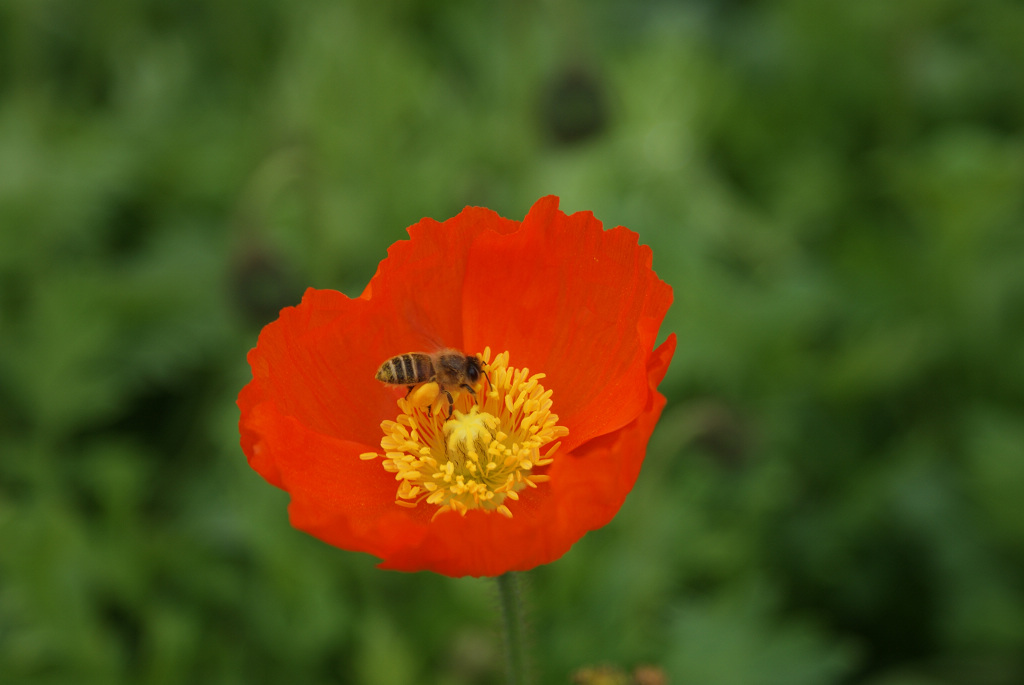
834	190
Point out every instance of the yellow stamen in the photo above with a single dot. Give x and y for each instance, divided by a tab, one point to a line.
485	454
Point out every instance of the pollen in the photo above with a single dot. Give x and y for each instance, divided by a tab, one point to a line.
497	443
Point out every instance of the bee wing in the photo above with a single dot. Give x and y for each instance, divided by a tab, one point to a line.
413	319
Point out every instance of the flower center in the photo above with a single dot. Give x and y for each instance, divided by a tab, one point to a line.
484	454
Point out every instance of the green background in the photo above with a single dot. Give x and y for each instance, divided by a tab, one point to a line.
835	191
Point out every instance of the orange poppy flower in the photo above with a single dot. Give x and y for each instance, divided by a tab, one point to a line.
541	448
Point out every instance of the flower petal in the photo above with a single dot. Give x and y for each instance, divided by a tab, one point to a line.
422	279
593	480
310	367
335	495
574	301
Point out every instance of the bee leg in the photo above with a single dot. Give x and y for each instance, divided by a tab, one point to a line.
409	392
451	403
469	389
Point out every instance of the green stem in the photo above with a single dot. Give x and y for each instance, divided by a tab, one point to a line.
511	597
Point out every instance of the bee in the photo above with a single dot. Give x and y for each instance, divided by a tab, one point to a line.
450	369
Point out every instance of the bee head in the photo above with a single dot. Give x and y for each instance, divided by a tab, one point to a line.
473	369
